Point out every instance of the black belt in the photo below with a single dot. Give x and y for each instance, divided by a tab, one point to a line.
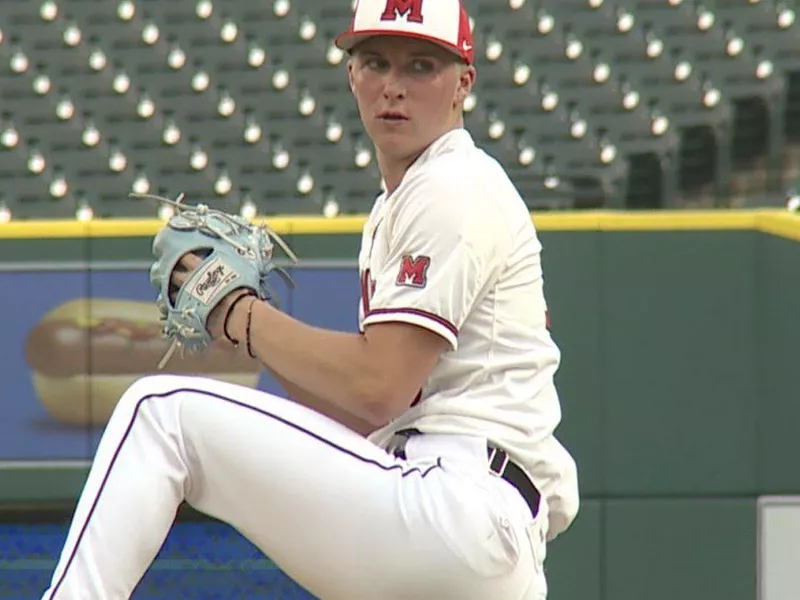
500	464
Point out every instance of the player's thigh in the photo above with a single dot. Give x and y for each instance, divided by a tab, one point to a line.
334	511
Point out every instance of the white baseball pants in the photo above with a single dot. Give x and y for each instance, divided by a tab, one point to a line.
342	517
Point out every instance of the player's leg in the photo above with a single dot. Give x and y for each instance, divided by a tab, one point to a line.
333	510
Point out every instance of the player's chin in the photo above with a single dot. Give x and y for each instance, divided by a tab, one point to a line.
388	129
385	137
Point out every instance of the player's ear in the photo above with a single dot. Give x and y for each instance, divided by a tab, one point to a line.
467	75
350	70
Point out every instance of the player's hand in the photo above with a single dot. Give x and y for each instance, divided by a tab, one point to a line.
183	270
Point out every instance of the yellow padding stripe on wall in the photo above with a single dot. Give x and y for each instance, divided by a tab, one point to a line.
780	224
647	220
773	221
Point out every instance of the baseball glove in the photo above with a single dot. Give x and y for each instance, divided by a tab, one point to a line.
235	254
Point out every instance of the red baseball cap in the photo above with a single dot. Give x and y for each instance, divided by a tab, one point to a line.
443	22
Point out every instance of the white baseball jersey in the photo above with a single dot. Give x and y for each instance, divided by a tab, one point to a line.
453	249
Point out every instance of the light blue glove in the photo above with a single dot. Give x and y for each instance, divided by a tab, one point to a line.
235	253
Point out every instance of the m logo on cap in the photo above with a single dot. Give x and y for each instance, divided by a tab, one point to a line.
411	9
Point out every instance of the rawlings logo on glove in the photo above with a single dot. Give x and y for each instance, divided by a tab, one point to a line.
235	255
216	275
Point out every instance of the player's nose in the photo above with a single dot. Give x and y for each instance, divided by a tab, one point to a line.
393	85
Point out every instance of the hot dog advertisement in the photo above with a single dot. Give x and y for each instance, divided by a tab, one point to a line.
84	353
74	340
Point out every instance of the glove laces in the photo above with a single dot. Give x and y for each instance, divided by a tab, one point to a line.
199	217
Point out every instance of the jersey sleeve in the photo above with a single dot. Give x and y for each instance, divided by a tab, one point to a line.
443	248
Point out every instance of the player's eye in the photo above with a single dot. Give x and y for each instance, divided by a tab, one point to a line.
377	63
422	65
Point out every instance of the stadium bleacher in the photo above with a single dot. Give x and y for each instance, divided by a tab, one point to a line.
588	103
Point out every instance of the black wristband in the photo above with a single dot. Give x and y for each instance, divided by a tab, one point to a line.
228	316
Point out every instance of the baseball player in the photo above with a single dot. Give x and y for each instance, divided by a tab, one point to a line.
413	459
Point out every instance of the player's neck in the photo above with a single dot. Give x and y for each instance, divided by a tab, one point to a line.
393	169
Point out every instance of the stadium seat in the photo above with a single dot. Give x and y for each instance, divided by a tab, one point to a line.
588	103
707	40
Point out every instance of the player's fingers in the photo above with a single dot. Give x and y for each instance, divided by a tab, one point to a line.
190	261
179	277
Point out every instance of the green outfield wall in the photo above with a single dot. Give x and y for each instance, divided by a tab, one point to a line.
680	339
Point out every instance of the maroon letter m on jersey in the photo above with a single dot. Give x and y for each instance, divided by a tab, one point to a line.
414	271
412	9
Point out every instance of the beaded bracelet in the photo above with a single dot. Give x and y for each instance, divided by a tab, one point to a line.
228	316
249	320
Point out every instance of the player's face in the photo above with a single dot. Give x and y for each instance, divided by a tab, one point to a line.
408	91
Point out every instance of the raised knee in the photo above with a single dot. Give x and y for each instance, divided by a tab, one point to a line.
149	387
151	384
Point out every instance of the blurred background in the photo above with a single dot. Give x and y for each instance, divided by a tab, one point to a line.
679	329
